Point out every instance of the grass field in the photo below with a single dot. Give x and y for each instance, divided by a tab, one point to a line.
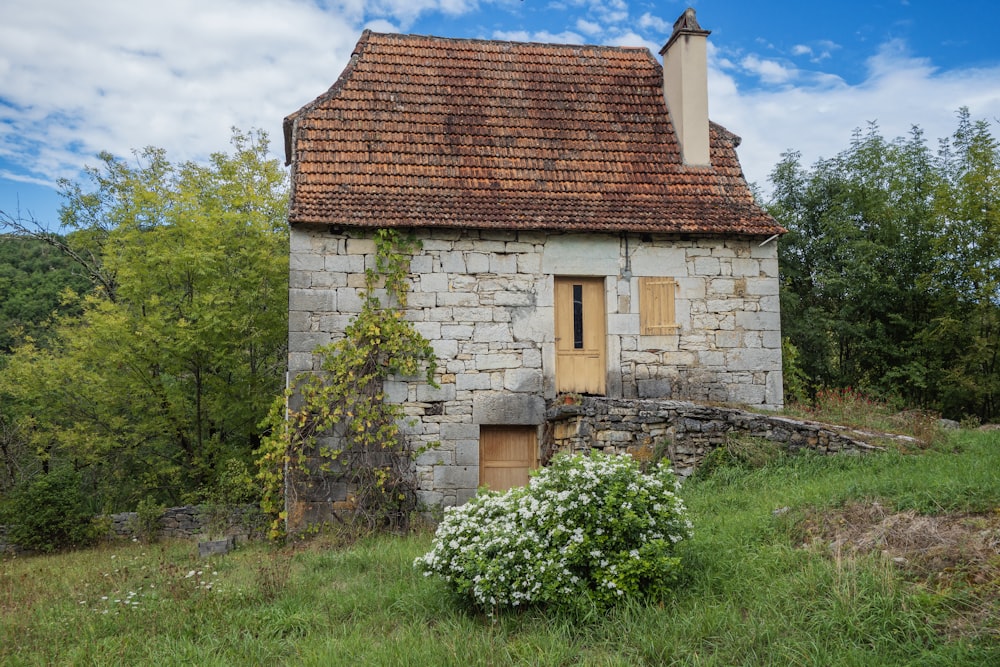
889	559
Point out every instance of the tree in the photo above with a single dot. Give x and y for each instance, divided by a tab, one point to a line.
180	347
34	279
890	251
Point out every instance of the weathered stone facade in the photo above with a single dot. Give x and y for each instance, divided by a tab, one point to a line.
484	299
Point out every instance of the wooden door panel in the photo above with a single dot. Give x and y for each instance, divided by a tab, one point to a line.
506	454
580	335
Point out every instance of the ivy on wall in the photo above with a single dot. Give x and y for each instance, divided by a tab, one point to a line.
337	421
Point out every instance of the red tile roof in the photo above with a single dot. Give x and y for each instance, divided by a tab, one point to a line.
432	132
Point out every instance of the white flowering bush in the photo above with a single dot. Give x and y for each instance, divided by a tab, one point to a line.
586	528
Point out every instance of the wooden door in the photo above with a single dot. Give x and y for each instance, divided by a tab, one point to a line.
580	335
506	454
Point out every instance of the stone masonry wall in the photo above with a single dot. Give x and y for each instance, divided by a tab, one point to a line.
189	521
687	431
484	299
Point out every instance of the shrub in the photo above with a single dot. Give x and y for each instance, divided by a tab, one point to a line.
51	513
586	530
145	525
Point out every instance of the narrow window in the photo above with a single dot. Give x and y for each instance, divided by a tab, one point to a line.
656	306
578	317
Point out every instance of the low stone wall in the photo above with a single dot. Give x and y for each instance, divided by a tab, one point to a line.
684	432
191	521
242	522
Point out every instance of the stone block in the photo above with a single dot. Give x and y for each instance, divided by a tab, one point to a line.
348	300
582	255
654	388
472	314
433	282
435	457
759	321
463	496
759	359
335	324
497	361
477	262
728	339
762	286
773	390
396	391
523	380
507	298
472	381
305	262
747	394
623	325
456	477
532	324
444	349
658	261
467	453
530	263
427	393
429	330
306	342
452	432
492	333
503	264
506	408
360	247
420	264
345	263
312	300
707	266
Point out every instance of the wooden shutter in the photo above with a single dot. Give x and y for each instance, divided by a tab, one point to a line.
656	306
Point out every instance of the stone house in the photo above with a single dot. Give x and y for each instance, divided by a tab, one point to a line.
585	229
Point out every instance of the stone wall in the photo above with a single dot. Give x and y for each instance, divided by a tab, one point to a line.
485	301
196	521
190	521
684	432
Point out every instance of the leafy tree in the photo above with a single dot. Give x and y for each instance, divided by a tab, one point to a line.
888	261
178	350
34	279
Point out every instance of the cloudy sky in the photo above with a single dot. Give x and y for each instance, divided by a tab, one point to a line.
82	76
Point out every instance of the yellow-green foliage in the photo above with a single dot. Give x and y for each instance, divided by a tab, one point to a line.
347	400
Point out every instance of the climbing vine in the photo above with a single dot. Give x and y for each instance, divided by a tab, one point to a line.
337	422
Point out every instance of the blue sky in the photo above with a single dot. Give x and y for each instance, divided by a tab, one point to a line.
81	76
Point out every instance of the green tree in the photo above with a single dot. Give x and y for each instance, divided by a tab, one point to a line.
180	347
34	279
887	268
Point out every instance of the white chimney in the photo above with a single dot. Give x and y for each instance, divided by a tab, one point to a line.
685	87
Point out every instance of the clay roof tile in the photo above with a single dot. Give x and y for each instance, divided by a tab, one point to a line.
425	131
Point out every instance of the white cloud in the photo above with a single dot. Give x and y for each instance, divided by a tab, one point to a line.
819	51
82	77
769	71
649	22
629	38
818	115
589	27
543	36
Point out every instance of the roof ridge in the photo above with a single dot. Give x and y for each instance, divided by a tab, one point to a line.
507	42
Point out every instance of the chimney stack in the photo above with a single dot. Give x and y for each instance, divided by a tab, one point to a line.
685	87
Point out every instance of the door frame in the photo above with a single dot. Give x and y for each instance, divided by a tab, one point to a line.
580	334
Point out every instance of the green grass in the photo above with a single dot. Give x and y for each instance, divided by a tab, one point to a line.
752	593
